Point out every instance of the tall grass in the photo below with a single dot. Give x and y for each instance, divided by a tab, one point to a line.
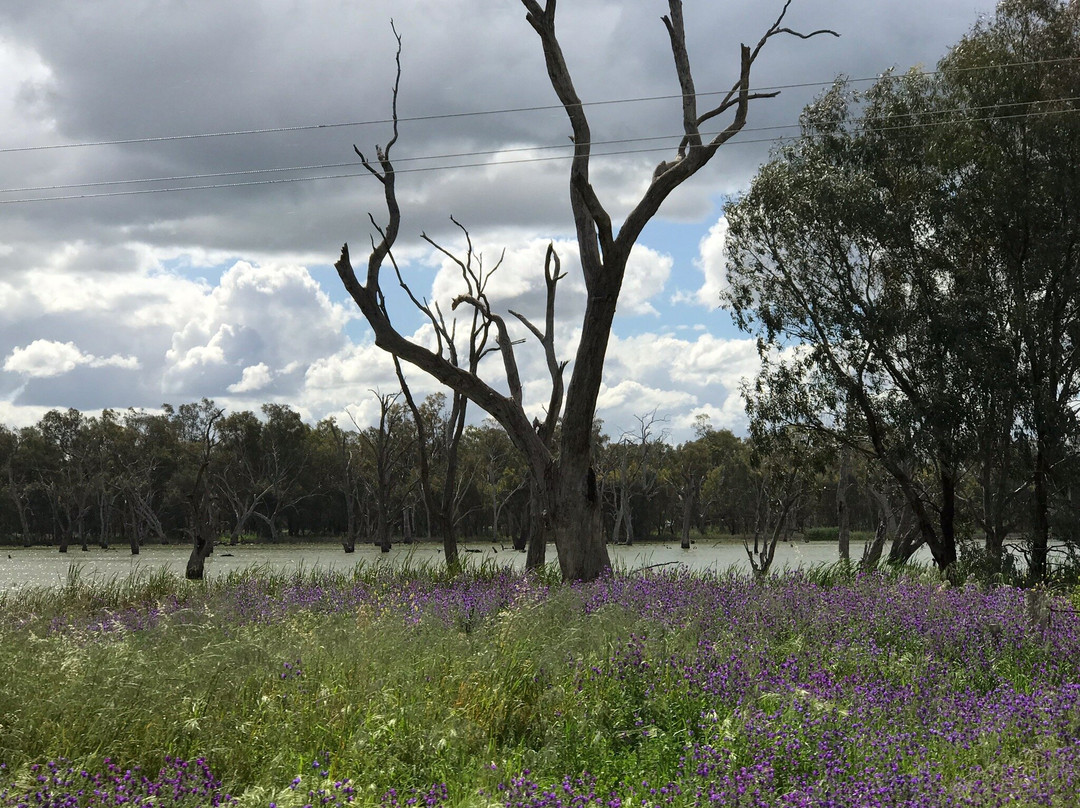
383	686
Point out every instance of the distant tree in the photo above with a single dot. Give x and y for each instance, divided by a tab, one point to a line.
238	476
285	451
198	421
390	446
153	455
17	468
635	473
342	465
785	467
68	472
687	466
499	473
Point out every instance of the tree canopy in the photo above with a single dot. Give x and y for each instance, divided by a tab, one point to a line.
910	263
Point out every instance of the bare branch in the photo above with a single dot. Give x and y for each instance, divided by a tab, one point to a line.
552	276
438	326
591	221
692	155
505	344
677	35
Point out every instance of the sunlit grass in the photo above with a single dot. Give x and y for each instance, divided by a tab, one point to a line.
382	685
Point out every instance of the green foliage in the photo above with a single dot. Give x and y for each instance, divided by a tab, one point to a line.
833	534
916	241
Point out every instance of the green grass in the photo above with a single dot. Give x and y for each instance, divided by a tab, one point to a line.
566	682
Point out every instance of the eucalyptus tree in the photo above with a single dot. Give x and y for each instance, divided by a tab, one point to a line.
390	448
700	470
239	476
911	262
153	459
686	468
285	457
637	468
564	478
111	452
868	317
1019	199
191	486
17	448
497	472
68	473
785	469
203	524
341	466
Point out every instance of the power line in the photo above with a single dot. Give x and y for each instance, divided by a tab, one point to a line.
467	114
288	180
457	155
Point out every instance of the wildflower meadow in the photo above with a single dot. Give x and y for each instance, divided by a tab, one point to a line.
407	687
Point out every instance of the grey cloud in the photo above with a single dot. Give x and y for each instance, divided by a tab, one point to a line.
211	66
92	388
133	68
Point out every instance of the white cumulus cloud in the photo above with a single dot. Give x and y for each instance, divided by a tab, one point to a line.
43	358
254	377
713	265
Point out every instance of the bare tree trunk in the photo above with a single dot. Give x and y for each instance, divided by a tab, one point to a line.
687	518
583	554
382	530
948	519
843	515
1040	537
135	533
871	553
202	547
348	543
536	547
64	535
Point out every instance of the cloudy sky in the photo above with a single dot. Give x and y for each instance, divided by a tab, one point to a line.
118	290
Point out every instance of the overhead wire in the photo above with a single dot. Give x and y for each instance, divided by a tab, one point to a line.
457	155
468	113
288	180
452	155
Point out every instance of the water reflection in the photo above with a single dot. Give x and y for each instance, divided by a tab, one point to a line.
44	566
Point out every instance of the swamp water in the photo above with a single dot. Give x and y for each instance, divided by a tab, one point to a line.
46	567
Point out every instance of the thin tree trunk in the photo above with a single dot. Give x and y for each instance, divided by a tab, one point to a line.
1040	539
948	518
687	517
871	553
536	546
843	514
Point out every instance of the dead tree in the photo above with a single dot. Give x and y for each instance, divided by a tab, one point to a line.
564	482
203	526
441	505
390	449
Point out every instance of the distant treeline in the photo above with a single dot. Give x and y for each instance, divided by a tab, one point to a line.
127	477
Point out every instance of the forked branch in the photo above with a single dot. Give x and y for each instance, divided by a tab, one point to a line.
552	276
693	153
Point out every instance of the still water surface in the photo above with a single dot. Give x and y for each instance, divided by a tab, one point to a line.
45	567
